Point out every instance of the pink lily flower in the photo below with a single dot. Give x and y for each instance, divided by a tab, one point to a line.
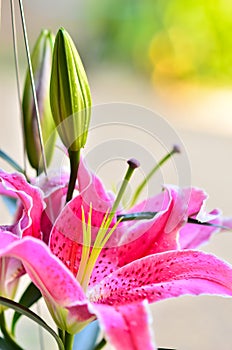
30	208
114	279
27	223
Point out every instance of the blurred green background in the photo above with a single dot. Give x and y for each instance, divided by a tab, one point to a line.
162	39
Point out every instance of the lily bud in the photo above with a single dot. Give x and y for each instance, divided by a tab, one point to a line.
69	93
41	64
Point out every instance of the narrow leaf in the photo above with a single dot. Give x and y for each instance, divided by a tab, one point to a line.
10	161
28	313
5	345
30	296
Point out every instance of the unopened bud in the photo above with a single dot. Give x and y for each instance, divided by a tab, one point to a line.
41	65
69	93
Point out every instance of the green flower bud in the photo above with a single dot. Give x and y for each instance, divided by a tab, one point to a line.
69	93
41	64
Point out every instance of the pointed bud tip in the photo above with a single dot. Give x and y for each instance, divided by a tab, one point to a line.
133	163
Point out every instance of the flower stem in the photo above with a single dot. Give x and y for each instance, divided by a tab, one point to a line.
68	342
74	157
61	334
6	333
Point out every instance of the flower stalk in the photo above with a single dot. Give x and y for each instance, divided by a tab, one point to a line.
68	343
74	158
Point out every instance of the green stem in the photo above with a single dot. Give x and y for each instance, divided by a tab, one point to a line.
61	334
74	157
152	172
6	333
68	342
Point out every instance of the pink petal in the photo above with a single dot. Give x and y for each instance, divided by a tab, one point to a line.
164	275
227	222
150	236
10	268
61	291
31	198
162	233
196	200
53	279
54	188
66	237
142	238
127	326
194	235
92	189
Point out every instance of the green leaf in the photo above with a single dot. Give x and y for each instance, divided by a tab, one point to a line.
28	313
10	161
5	345
30	296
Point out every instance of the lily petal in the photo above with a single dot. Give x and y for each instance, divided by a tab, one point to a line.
10	268
165	275
49	274
127	326
32	202
150	236
194	235
92	189
67	229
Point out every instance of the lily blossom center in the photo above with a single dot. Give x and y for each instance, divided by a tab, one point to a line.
90	254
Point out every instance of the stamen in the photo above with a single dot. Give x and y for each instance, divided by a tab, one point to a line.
174	150
86	243
97	247
88	261
96	250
